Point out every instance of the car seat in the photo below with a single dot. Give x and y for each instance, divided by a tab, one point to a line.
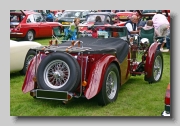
56	33
149	34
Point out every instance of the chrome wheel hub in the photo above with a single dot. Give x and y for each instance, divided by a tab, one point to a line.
56	74
111	85
157	68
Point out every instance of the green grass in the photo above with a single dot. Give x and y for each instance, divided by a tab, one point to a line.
135	98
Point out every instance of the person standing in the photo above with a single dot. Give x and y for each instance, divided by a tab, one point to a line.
161	24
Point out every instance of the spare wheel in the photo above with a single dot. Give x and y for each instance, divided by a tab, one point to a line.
58	71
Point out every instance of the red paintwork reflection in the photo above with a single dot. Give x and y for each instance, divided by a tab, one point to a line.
96	75
150	59
28	84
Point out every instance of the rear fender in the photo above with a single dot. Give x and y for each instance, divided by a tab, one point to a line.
150	59
28	84
96	75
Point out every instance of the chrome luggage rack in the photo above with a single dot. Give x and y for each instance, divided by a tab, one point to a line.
72	48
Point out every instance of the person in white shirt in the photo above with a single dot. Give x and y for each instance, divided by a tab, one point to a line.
132	26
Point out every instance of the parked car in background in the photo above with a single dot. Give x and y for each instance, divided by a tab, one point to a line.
108	19
166	111
124	16
30	25
68	16
21	55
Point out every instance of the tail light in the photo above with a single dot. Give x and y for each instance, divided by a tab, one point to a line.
167	96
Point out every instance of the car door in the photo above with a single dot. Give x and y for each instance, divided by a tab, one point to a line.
31	24
44	28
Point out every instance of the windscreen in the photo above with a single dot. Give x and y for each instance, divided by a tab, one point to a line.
71	14
91	18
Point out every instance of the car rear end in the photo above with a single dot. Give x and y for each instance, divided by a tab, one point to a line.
166	111
16	19
124	16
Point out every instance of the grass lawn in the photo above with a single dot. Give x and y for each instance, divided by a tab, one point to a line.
135	98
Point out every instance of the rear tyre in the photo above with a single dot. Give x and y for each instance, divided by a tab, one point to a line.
30	35
58	71
110	87
29	56
157	68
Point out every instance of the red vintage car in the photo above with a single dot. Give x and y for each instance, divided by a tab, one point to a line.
30	25
91	67
124	16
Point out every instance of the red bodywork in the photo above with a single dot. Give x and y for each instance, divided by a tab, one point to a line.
97	65
20	27
149	60
94	65
96	75
124	16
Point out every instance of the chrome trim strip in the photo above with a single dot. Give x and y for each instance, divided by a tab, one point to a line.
15	33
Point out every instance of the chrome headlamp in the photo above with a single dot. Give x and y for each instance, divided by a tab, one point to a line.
144	42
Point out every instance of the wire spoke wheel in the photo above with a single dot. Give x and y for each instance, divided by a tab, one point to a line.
28	60
111	85
59	71
157	68
56	74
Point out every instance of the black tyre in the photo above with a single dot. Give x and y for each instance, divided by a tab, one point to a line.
29	56
110	87
30	35
157	68
58	71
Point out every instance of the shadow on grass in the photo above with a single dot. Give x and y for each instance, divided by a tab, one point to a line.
73	103
22	39
15	75
83	102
